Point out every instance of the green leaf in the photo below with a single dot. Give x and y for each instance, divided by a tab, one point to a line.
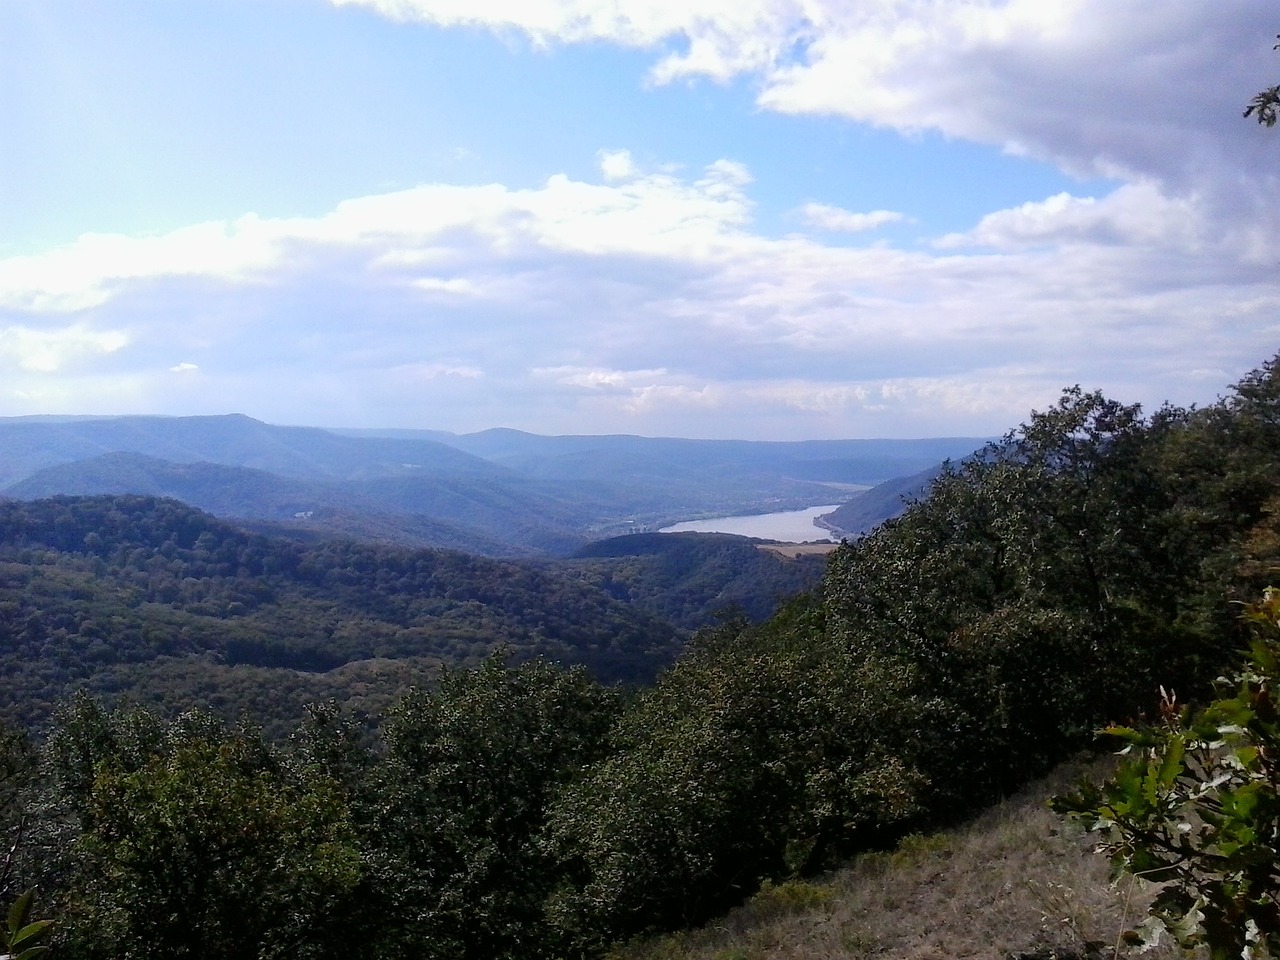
1171	765
30	931
18	912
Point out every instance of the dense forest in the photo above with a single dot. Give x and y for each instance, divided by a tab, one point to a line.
1043	587
681	577
149	599
147	596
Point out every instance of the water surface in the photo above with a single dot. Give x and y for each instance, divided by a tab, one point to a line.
788	526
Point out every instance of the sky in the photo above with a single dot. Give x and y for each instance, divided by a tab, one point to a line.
757	219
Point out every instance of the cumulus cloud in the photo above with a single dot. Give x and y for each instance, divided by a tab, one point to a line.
720	37
459	286
435	371
600	379
1134	214
616	164
47	351
84	274
650	303
1099	87
836	220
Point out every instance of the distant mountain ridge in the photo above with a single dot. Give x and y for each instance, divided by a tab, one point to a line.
229	440
499	492
837	461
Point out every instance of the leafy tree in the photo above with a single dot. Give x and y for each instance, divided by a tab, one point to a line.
1196	808
762	753
18	784
198	841
458	807
1030	589
1223	470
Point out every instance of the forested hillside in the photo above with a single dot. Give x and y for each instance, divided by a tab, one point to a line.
691	578
1044	587
884	501
148	597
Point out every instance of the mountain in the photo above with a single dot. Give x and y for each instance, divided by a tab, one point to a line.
220	489
491	516
626	458
869	509
111	592
497	492
1039	591
31	444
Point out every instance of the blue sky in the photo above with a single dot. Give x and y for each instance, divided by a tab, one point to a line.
760	218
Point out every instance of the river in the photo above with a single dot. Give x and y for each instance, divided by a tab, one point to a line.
788	526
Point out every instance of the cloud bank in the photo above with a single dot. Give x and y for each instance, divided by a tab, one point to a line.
1106	87
650	300
645	302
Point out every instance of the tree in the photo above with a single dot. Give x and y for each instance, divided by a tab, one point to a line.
764	752
1032	588
1196	808
459	803
198	841
1265	103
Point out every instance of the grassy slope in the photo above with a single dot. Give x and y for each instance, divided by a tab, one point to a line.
1017	880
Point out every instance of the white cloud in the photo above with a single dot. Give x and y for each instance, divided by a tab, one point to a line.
84	275
397	233
51	351
1133	214
1112	87
458	286
597	379
649	304
836	220
617	165
721	37
436	371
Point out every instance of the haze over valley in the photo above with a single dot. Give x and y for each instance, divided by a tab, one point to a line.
498	493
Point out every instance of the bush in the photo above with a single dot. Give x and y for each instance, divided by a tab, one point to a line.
1196	809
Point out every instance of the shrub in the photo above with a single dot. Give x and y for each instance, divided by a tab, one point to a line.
1196	808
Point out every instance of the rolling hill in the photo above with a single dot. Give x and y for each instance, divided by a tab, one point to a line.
152	599
496	493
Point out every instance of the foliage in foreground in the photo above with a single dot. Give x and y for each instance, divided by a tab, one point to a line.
193	839
22	935
1197	808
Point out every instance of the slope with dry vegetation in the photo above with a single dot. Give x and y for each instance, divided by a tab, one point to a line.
1014	882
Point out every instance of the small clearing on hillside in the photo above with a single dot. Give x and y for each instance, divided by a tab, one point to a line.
793	550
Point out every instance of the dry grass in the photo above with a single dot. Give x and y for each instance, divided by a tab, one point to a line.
1015	880
793	550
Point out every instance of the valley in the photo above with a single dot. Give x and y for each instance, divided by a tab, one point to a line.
498	493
